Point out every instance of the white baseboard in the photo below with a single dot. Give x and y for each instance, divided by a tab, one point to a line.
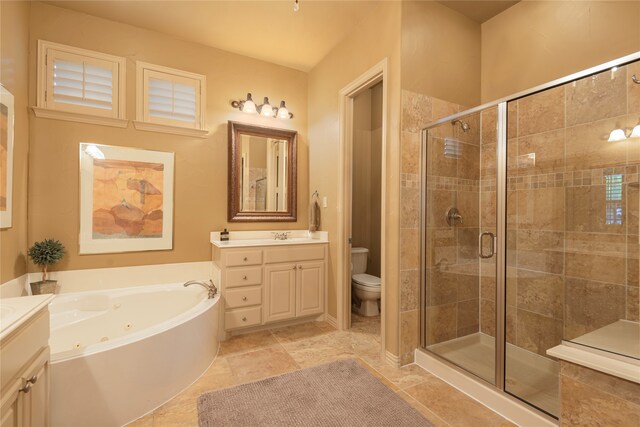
15	288
490	397
392	359
331	320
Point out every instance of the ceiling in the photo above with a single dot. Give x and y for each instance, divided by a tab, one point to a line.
479	10
269	30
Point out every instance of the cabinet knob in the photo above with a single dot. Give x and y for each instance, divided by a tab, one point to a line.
295	267
244	319
244	277
33	379
244	298
245	259
299	267
26	388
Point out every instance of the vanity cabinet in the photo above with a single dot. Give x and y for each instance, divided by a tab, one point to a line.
265	285
24	374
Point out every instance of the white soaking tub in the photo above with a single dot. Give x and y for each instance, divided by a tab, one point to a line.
118	354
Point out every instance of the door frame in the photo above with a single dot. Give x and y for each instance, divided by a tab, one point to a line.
376	74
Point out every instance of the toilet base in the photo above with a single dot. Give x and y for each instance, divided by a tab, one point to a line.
368	308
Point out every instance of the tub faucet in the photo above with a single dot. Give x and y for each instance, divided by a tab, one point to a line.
210	287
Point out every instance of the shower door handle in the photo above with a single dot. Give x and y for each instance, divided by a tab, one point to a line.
492	246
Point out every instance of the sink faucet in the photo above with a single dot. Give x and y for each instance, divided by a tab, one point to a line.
210	287
281	236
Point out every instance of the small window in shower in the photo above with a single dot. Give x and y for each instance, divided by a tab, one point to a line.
613	199
452	148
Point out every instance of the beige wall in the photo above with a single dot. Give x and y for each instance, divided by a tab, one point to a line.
200	164
375	38
14	47
440	53
535	42
367	174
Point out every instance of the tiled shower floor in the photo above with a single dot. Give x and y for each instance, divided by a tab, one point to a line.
529	376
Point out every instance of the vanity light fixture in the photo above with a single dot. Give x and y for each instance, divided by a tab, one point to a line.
283	113
635	133
265	109
246	106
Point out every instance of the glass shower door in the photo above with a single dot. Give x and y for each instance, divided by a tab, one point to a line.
573	216
459	225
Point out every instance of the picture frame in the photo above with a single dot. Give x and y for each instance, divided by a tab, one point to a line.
126	199
7	128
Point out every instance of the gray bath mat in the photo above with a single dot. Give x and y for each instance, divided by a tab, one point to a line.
341	393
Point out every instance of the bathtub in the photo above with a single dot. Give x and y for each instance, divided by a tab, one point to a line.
118	354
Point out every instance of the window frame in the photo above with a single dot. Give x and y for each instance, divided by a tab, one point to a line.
145	71
47	108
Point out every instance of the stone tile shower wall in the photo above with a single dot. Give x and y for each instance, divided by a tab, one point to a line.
572	211
418	111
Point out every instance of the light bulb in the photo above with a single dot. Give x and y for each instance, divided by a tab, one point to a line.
635	133
617	135
283	113
266	109
296	6
249	106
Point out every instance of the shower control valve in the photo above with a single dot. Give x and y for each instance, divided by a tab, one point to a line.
454	216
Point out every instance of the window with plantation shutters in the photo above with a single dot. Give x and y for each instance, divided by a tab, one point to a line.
170	100
80	84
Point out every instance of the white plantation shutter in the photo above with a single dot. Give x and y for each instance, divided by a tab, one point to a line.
82	81
171	100
170	97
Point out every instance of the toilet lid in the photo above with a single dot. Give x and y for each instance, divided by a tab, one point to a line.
367	280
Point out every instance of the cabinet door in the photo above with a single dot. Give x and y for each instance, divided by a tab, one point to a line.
280	292
11	409
310	288
35	402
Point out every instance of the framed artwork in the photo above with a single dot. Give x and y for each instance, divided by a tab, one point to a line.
126	199
7	111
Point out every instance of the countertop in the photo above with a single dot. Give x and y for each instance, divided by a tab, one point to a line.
16	311
240	239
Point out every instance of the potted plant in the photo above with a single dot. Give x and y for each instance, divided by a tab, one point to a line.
45	254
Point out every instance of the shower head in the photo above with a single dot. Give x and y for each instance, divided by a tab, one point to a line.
464	125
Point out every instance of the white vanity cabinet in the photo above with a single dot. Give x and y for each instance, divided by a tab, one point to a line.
24	370
264	282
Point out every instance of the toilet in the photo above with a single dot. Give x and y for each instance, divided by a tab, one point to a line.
365	287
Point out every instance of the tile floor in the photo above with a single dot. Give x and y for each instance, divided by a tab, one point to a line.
264	354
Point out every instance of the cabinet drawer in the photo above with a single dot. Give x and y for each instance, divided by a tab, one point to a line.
294	253
243	297
242	318
244	258
244	277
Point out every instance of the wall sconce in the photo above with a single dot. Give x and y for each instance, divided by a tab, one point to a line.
265	109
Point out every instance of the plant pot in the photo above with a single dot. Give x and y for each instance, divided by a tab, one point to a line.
44	287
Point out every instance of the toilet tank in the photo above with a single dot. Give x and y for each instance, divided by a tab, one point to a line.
359	260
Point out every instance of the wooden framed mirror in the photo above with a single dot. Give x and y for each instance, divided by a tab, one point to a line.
262	174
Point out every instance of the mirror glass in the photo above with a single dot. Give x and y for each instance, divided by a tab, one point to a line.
262	173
